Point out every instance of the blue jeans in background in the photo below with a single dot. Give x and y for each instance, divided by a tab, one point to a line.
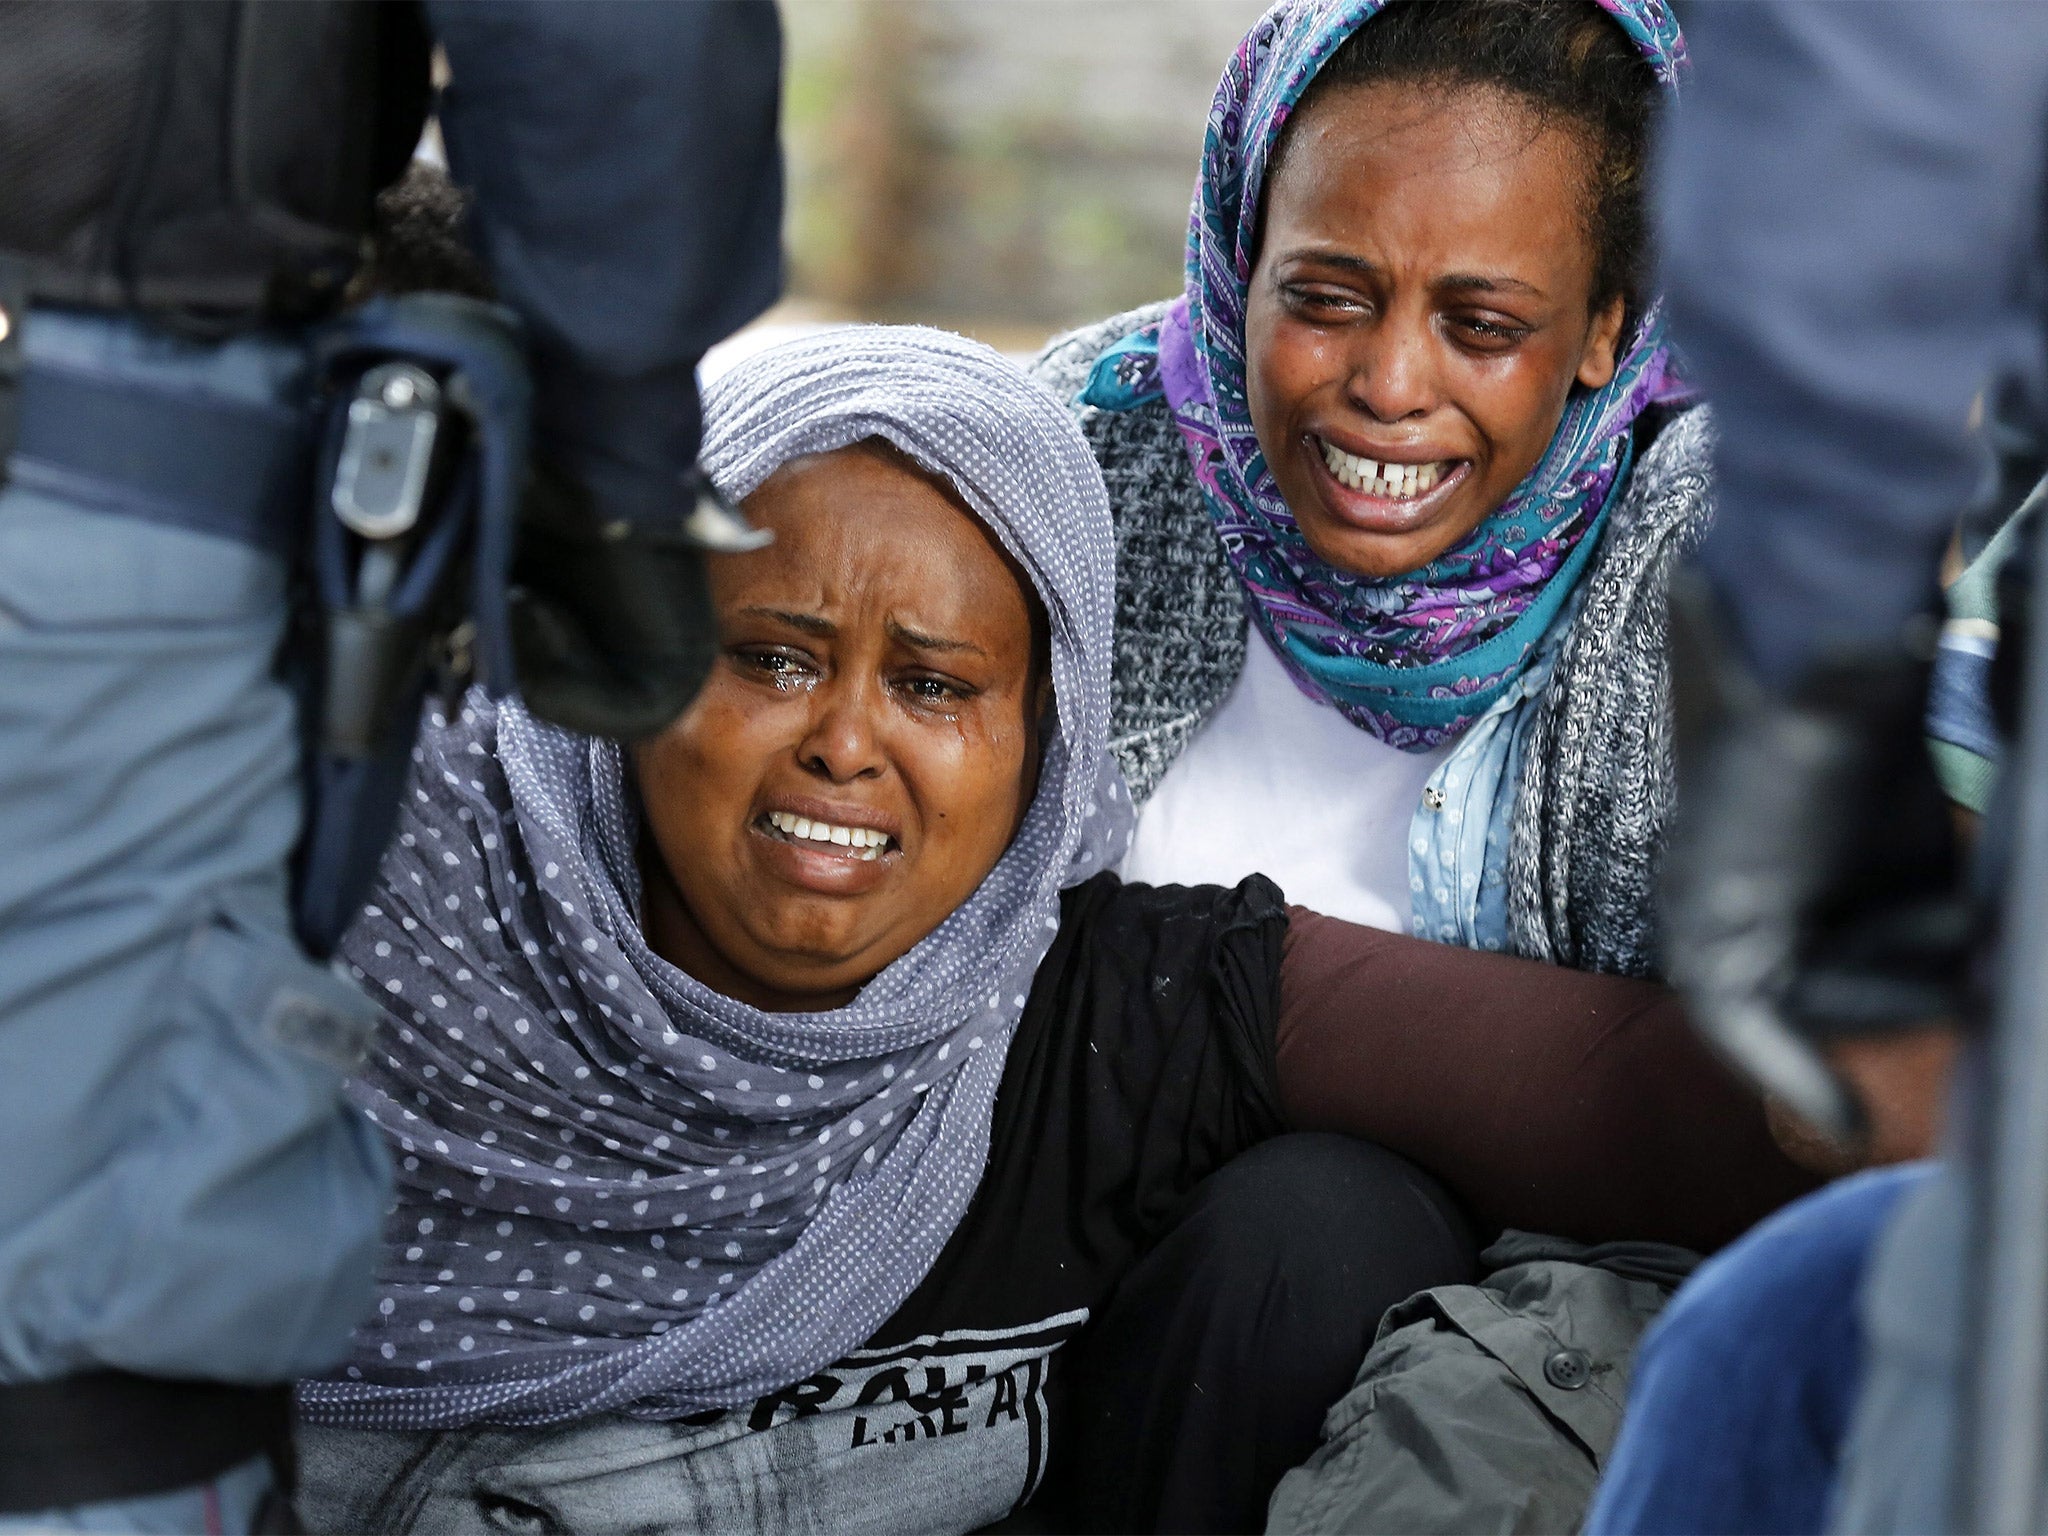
1743	1394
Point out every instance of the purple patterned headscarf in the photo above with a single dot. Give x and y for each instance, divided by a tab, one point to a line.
1415	658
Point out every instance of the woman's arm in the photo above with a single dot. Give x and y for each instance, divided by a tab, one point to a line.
1548	1099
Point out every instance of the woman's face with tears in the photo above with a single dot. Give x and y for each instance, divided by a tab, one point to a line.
865	747
1421	309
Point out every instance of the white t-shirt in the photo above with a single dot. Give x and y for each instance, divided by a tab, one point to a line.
1279	784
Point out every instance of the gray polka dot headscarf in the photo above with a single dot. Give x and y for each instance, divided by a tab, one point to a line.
618	1189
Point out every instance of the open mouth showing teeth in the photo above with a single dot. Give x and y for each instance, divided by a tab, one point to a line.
1396	482
864	843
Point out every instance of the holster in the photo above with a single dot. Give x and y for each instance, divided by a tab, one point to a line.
396	609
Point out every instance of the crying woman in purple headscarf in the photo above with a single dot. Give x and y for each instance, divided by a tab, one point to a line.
1399	477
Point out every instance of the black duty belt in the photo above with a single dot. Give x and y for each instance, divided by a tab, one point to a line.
110	1435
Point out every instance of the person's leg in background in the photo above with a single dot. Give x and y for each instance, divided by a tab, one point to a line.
191	1213
1900	1465
1743	1391
1208	1373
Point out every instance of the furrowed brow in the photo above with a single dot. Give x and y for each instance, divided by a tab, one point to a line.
1338	260
1475	282
808	623
917	640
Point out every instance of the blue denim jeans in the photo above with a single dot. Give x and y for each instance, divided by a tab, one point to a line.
1743	1393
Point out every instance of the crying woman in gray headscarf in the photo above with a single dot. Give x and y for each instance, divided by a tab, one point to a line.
798	1128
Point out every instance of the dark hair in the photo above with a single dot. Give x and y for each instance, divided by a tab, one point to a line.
1567	60
419	240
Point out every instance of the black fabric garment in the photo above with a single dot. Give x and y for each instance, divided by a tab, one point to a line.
1207	1376
212	164
219	161
1143	1062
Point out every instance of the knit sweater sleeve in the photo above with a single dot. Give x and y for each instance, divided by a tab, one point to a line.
1593	799
1180	619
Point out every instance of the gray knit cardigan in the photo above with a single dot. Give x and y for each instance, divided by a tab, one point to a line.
1596	777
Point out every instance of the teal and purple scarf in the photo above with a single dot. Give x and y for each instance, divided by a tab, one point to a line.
1416	658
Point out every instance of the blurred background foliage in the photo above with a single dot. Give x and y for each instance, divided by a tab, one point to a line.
1001	167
